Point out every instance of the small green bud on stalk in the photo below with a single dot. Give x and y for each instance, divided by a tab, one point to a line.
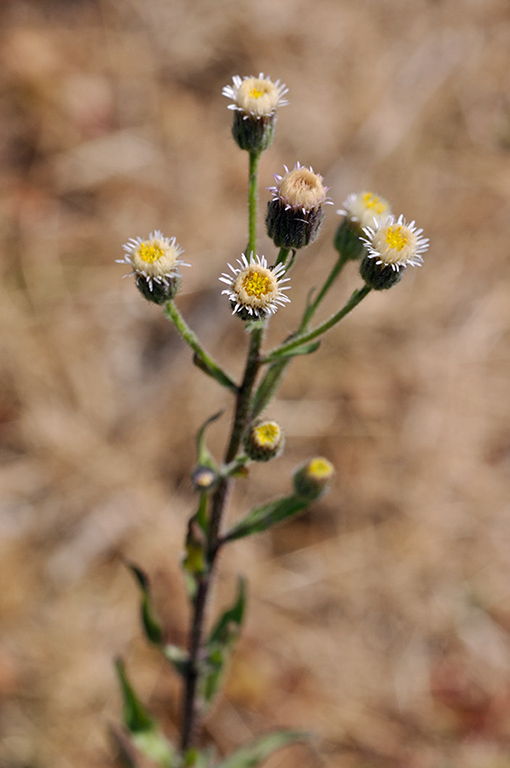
203	478
264	441
312	479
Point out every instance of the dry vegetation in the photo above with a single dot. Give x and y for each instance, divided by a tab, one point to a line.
381	620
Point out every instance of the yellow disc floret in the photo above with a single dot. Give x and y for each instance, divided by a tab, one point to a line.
256	286
254	289
374	203
397	237
257	282
150	252
320	469
267	434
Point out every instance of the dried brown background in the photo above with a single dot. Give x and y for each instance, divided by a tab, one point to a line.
380	621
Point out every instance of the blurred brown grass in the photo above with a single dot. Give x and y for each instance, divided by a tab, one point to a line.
380	621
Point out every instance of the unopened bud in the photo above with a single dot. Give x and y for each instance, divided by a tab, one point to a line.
313	478
295	213
264	441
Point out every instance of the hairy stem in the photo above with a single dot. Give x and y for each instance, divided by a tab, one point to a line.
252	203
304	338
313	306
204	361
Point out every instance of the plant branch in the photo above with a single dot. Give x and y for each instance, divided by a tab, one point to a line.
202	359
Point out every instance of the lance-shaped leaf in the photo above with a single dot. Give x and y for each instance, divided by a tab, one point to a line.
220	643
264	517
204	458
144	731
254	753
150	622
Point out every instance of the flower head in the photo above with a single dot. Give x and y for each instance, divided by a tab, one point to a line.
362	207
294	215
255	96
155	263
300	189
254	289
395	244
254	101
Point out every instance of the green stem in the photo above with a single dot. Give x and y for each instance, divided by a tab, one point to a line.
313	306
252	203
191	710
282	256
304	338
202	359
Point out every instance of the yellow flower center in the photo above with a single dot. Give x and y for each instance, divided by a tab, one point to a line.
267	433
256	283
257	97
374	203
256	93
320	469
150	252
396	238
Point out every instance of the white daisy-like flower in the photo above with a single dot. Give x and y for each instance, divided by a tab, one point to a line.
363	207
156	259
394	243
300	189
254	289
255	96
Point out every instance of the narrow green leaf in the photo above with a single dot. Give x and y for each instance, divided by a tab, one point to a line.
262	518
204	457
144	731
230	622
156	747
136	717
254	753
150	622
306	349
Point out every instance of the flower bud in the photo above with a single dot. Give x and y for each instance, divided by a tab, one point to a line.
264	441
312	479
255	101
203	478
295	213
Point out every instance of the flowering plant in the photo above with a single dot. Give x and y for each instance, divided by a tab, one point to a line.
256	288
